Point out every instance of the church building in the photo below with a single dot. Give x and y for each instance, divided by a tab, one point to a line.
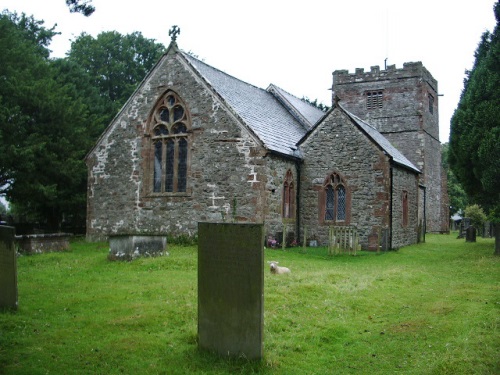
194	144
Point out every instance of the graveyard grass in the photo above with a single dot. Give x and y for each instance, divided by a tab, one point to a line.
432	308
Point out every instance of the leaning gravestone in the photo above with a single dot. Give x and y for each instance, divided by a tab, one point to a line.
231	289
8	269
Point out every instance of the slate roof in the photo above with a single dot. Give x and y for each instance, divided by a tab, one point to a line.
259	109
383	142
307	114
279	119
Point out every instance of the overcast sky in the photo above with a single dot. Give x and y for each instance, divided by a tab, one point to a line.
295	44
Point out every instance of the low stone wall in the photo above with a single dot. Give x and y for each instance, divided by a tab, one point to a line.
129	247
42	243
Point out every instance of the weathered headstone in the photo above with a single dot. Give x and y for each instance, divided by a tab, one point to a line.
8	269
470	234
231	289
487	229
464	224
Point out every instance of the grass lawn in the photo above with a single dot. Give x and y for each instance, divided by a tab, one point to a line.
432	308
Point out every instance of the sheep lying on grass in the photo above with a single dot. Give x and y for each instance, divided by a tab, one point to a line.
277	269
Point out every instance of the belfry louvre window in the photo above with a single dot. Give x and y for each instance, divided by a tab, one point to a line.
374	99
169	136
335	202
288	211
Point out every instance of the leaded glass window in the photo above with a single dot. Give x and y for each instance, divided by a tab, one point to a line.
340	202
335	199
330	203
169	125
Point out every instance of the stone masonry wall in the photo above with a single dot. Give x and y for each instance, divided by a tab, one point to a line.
274	221
405	118
226	174
403	181
337	145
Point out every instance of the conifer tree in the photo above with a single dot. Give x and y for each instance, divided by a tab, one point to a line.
475	129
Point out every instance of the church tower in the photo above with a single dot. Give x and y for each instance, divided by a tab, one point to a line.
403	105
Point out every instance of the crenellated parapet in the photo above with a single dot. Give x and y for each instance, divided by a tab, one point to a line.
409	70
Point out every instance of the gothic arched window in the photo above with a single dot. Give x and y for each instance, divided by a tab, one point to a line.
169	136
288	211
335	201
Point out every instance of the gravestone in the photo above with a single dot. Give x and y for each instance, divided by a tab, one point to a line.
231	289
470	234
487	229
8	269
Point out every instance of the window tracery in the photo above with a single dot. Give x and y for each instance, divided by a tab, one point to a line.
170	140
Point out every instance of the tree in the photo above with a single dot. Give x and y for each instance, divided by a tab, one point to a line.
477	216
458	197
53	111
48	123
475	129
81	6
117	63
315	103
23	42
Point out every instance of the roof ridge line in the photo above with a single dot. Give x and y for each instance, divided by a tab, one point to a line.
274	90
221	71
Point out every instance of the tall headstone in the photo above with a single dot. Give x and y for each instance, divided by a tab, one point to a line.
8	269
231	289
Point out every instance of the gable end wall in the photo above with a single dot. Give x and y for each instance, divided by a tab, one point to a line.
337	145
227	174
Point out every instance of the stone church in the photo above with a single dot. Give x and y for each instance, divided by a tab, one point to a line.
194	144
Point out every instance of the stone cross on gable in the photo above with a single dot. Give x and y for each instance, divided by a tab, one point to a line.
173	32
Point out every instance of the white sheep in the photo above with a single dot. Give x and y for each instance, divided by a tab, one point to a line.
277	269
